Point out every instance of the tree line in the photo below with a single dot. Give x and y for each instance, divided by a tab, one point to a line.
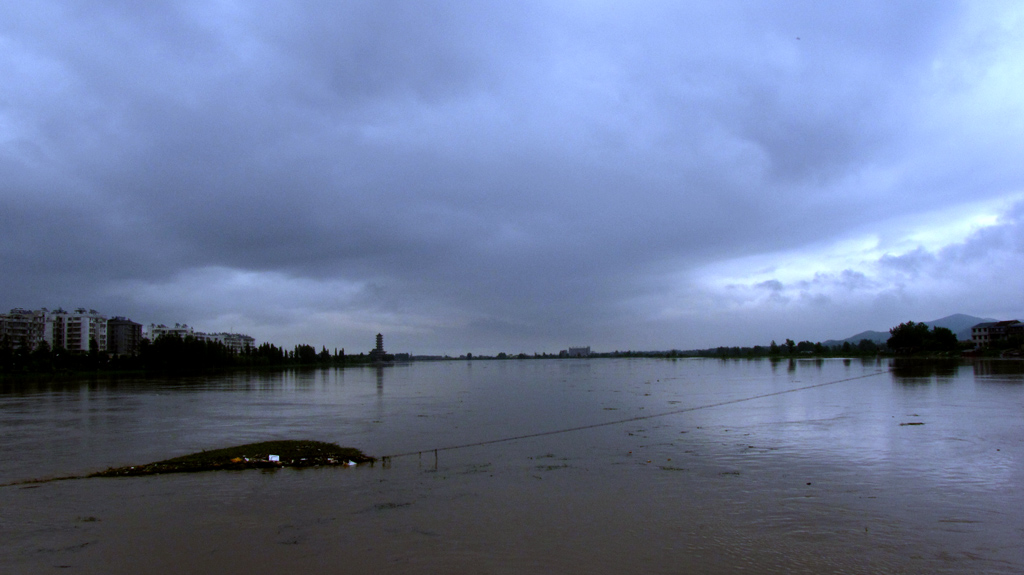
907	338
168	353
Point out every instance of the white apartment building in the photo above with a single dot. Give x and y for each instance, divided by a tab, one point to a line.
236	342
74	331
156	330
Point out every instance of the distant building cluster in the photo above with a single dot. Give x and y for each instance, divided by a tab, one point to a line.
575	352
986	334
236	342
78	330
83	330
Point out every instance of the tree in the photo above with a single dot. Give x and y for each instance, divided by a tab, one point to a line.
944	339
305	354
42	357
6	353
910	337
867	347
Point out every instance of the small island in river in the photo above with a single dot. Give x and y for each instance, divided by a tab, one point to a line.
265	455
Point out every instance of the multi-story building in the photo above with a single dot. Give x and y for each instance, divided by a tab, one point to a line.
123	336
236	342
579	351
23	328
75	331
985	334
156	330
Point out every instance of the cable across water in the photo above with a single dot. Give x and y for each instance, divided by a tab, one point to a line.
387	458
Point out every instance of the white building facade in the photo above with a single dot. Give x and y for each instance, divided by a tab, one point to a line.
75	331
236	342
156	330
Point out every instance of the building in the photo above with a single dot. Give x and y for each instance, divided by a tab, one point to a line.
236	342
579	352
23	328
156	330
76	331
123	336
985	334
377	353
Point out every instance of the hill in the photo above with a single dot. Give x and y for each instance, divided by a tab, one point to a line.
958	323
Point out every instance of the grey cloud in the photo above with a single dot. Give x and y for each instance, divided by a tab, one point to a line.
771	285
524	168
911	263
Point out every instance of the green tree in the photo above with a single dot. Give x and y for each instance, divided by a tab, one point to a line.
805	347
943	339
305	354
42	357
6	353
910	337
867	347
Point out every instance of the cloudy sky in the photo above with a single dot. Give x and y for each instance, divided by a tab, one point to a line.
514	176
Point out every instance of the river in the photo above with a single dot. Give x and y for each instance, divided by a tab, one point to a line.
671	466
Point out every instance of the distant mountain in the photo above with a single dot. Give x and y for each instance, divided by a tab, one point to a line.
878	337
957	323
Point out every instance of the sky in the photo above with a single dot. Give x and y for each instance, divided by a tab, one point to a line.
514	176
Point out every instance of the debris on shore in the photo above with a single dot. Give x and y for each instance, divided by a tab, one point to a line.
265	455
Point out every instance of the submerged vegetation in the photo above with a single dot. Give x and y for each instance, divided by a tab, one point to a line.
268	454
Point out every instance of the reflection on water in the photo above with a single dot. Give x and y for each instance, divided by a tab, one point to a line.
911	371
1001	369
857	476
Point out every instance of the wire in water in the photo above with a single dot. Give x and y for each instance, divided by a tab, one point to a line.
386	459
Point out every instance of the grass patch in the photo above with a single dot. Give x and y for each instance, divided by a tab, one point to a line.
249	456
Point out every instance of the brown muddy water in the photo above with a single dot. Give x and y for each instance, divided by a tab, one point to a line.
829	479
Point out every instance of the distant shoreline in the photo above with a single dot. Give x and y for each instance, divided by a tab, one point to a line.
43	376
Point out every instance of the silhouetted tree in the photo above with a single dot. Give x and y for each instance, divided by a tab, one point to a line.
910	337
867	347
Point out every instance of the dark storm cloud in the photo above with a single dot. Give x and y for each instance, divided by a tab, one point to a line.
491	174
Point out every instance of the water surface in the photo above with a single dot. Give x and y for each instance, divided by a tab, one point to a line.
697	477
